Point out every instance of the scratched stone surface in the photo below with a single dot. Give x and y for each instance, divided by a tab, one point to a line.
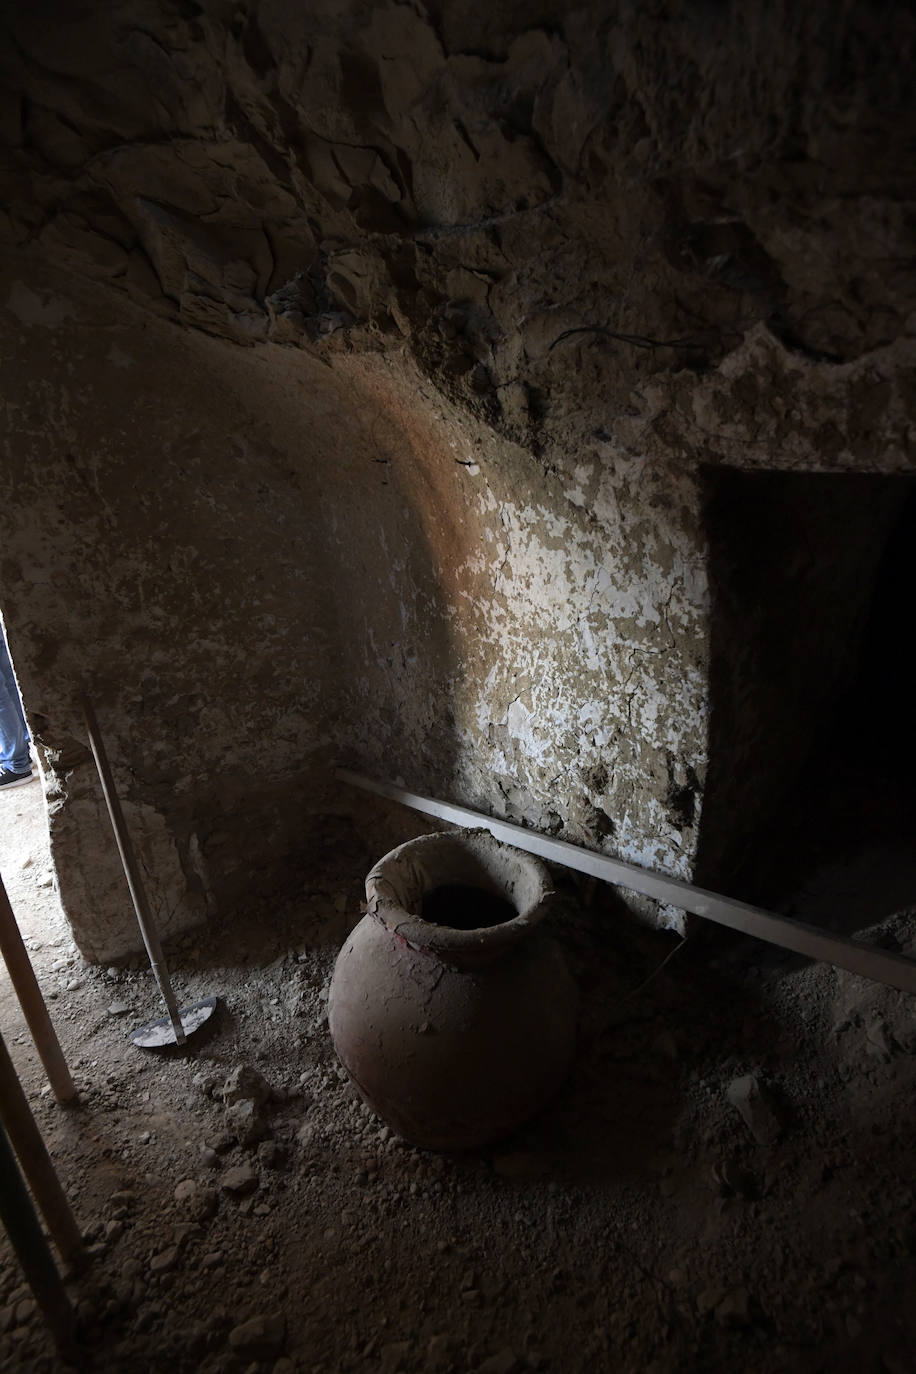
374	381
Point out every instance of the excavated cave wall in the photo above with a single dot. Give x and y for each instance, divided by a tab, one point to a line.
159	554
257	565
364	368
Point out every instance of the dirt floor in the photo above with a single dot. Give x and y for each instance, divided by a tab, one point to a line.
726	1183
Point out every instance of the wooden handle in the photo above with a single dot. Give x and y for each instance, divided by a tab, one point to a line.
36	1164
132	871
33	1252
22	976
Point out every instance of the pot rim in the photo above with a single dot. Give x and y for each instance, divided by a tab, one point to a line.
384	905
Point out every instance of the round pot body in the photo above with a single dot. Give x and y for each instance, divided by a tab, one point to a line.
455	1034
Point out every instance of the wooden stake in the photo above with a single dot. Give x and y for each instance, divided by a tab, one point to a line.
132	872
22	976
32	1250
29	1145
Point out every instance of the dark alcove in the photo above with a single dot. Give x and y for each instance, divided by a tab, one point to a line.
809	789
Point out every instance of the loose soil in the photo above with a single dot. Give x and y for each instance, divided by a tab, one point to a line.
725	1182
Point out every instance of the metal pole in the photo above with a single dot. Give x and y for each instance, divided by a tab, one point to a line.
132	872
34	1254
881	965
22	976
29	1145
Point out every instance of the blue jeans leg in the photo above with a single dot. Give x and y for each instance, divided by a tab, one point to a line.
14	737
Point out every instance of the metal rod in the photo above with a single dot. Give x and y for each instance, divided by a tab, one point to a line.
132	872
895	970
32	1250
29	1145
22	976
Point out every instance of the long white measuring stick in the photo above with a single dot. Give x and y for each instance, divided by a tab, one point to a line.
896	970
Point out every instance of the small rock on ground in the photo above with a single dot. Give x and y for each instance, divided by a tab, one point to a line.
239	1180
259	1338
754	1105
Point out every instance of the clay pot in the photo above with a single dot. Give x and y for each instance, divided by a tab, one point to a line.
451	1007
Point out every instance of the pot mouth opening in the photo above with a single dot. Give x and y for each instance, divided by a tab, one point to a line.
462	894
465	906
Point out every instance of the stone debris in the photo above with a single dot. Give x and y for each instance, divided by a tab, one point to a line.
240	1180
271	1154
439	1352
164	1260
732	1180
734	1308
505	1361
259	1338
394	1355
243	1084
203	1203
756	1109
208	1081
878	1043
708	1299
245	1121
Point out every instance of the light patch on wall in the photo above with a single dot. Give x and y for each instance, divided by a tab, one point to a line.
522	726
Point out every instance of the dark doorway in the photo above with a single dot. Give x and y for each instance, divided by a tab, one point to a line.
809	804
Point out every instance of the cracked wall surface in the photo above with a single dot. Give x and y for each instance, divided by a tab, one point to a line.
391	346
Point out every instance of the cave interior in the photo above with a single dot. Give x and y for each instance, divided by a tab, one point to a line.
514	404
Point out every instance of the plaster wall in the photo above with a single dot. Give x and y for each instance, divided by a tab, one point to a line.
257	564
561	657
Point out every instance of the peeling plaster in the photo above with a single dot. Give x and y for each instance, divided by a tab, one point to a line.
388	443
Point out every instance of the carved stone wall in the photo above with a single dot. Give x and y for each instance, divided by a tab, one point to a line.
364	365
